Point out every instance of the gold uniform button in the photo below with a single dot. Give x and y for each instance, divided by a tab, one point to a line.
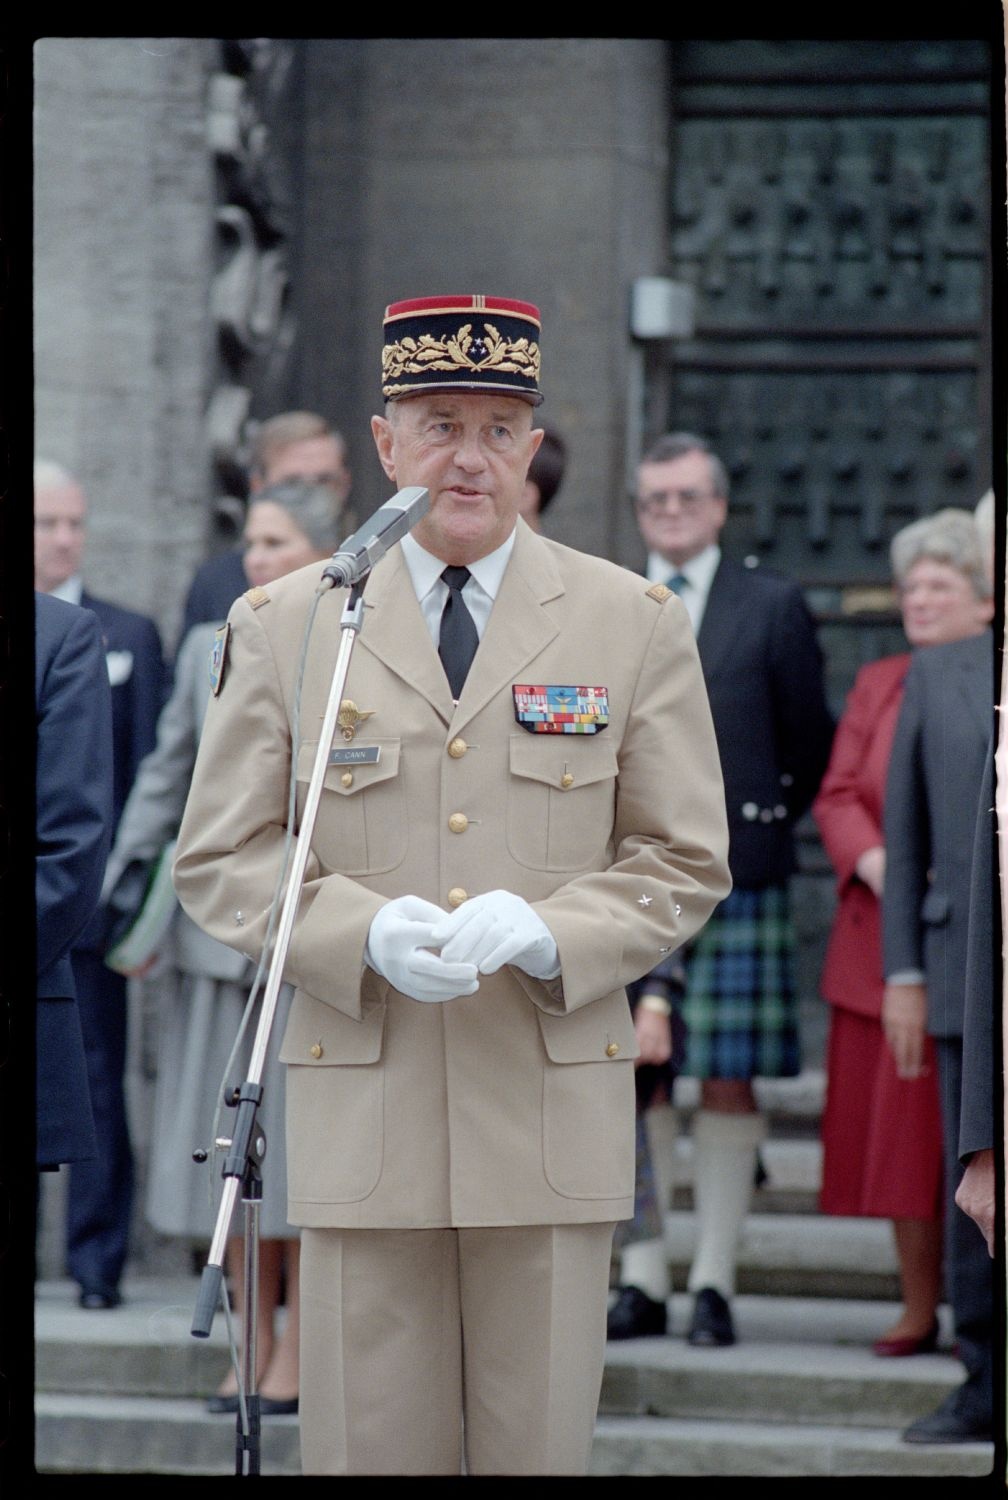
457	749
612	1049
458	822
566	780
315	1049
347	778
457	895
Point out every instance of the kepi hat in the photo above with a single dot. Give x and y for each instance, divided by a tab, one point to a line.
467	343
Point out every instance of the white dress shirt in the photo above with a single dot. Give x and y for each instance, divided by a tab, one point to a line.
479	593
70	590
699	575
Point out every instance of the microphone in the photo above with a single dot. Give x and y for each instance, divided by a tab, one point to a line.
355	557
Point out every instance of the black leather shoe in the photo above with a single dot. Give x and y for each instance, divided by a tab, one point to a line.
95	1297
635	1315
269	1406
222	1405
955	1421
275	1406
712	1325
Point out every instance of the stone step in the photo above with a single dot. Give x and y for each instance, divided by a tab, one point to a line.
142	1348
141	1435
797	1362
800	1393
145	1348
94	1434
643	1446
800	1255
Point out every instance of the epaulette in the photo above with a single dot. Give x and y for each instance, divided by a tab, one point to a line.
659	592
256	597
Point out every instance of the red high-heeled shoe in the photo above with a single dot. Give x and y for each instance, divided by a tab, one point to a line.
926	1343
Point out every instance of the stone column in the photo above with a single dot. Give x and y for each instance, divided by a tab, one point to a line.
123	234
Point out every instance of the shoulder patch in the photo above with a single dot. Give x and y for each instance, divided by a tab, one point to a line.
218	658
257	597
658	591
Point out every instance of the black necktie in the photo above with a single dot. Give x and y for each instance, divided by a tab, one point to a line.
458	640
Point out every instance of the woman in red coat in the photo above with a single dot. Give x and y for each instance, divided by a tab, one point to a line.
882	1142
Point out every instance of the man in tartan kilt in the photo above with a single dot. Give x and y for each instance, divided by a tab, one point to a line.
764	674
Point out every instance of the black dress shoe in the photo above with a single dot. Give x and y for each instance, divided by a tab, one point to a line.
269	1406
275	1406
222	1405
712	1320
99	1297
956	1420
635	1315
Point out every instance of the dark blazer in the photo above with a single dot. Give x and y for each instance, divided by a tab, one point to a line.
935	773
73	827
139	680
981	1054
764	674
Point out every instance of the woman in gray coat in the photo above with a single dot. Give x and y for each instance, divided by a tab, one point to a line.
288	526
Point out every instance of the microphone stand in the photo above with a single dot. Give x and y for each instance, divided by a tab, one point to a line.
247	1145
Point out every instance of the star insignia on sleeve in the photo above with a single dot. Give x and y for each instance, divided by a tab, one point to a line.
644	901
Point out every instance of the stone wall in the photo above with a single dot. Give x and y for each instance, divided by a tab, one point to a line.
532	168
123	194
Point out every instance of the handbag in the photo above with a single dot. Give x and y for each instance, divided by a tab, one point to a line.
140	908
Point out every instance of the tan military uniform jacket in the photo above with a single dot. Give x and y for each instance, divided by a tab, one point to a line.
514	1105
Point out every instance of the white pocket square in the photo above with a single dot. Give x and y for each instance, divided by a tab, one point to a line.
120	665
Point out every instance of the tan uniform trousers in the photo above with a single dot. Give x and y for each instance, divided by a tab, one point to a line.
419	1346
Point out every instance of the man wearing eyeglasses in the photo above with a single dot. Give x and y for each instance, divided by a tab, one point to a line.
764	674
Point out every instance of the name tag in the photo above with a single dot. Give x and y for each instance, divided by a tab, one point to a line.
355	755
556	708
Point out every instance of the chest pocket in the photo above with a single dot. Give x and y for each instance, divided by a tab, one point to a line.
561	800
361	826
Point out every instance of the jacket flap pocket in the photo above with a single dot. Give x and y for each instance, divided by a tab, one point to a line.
320	1036
355	768
565	761
600	1032
935	908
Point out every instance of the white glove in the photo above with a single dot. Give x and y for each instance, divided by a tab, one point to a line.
495	929
398	941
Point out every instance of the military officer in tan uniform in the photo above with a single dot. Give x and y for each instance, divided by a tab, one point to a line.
524	835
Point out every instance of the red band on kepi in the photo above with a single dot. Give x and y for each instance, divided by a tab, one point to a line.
462	343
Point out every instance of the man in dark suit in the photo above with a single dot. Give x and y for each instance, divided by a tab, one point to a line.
73	822
932	793
292	445
763	669
976	1194
100	1194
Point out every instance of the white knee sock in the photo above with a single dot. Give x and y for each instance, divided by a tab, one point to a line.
724	1162
644	1264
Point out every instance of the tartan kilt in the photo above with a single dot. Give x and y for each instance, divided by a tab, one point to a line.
740	1008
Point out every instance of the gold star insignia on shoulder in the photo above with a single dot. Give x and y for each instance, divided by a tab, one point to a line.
257	597
658	591
350	716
